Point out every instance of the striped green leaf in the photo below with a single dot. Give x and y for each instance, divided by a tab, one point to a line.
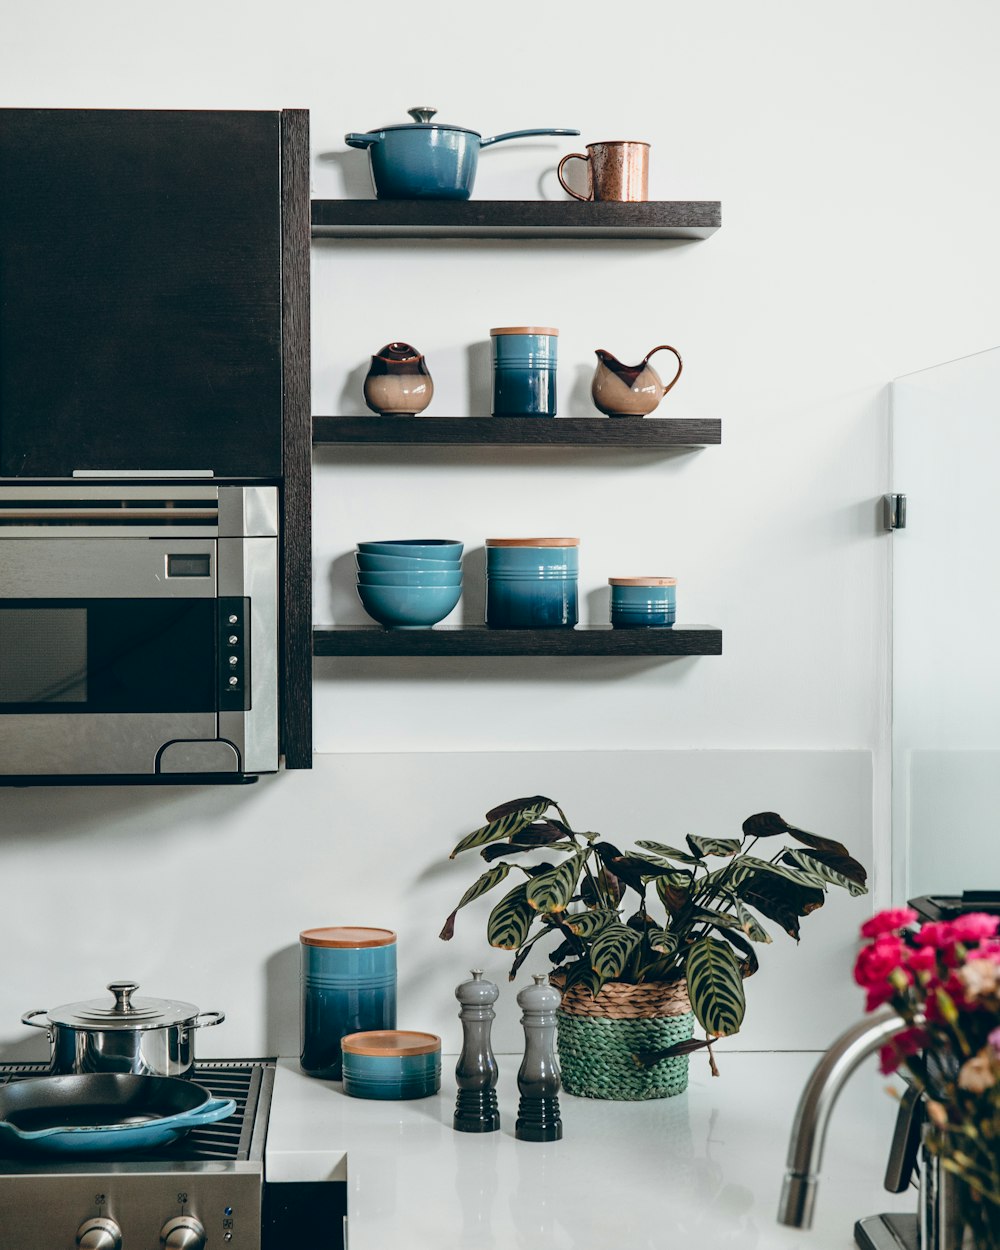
830	867
721	919
715	986
510	920
749	923
672	897
587	923
663	940
610	950
487	881
551	891
713	846
505	826
748	866
670	852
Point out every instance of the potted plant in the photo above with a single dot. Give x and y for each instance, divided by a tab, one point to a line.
943	980
636	973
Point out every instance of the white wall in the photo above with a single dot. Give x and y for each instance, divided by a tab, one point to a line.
852	149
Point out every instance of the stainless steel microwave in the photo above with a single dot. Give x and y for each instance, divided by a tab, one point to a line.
138	632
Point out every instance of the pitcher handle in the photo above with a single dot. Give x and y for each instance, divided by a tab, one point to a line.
579	156
665	347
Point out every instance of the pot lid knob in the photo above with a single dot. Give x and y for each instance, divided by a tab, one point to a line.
123	991
423	114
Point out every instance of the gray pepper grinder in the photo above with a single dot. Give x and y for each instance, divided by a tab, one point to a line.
538	1117
476	1071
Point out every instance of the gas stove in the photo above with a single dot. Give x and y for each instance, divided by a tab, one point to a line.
207	1189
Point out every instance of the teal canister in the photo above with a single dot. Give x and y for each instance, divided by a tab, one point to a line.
524	371
348	984
531	583
643	602
392	1064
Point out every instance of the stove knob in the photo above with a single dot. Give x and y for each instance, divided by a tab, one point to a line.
182	1233
99	1234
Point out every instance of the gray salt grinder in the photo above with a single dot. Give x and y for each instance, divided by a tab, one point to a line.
538	1116
476	1071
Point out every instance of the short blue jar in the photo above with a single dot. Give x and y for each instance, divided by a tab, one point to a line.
643	602
524	371
348	983
532	583
392	1064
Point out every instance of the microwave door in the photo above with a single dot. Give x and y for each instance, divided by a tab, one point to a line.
108	652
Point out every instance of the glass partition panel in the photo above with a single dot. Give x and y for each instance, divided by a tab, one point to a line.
946	613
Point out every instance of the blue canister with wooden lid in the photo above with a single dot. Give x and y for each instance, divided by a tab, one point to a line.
348	983
524	370
531	583
392	1064
643	602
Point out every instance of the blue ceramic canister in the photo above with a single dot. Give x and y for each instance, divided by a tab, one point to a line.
392	1064
348	984
524	371
531	583
643	602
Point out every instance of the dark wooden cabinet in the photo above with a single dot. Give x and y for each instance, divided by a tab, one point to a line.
140	292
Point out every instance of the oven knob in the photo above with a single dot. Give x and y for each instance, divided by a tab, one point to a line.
182	1233
99	1234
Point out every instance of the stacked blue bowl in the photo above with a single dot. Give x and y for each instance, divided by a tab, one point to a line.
409	583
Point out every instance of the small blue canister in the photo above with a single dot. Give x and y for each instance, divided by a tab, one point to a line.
392	1064
643	602
348	984
531	583
524	371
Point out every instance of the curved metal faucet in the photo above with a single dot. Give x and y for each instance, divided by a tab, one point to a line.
805	1149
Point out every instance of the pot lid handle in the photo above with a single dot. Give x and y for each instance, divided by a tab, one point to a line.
123	991
422	115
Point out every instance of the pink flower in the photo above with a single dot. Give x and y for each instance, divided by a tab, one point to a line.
976	1074
994	1041
902	1046
877	961
923	959
973	927
888	921
938	933
979	977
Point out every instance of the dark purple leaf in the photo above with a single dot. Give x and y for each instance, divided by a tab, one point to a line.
649	1058
779	899
448	932
609	883
517	805
765	825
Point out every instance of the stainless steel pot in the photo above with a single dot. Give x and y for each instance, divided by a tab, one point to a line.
149	1036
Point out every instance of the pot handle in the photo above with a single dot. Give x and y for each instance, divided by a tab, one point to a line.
205	1019
665	347
516	134
361	141
208	1113
29	1019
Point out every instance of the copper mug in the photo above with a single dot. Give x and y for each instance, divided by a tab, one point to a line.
617	170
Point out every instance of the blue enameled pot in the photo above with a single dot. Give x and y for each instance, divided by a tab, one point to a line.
425	160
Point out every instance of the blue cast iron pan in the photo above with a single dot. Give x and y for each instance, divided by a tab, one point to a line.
102	1113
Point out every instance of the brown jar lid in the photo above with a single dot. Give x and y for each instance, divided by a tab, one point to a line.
524	330
390	1042
642	581
347	936
532	542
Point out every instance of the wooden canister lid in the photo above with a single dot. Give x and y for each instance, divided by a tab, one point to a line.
642	581
347	937
532	542
524	330
390	1042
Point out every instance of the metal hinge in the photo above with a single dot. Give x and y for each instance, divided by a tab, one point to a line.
894	512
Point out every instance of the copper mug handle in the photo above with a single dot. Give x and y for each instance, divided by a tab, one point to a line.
665	347
577	156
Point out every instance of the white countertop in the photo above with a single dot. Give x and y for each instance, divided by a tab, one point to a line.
703	1168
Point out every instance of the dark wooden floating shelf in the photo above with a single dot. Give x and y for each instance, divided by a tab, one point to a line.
511	219
626	432
449	640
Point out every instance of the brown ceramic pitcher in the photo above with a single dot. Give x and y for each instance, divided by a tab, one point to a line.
617	170
630	390
398	383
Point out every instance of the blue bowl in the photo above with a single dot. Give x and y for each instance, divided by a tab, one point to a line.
409	607
418	578
372	561
391	1064
423	548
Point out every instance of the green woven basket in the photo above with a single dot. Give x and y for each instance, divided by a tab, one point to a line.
599	1039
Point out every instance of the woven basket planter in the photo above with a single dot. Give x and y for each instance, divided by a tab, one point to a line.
600	1037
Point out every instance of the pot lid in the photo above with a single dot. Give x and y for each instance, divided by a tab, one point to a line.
391	1043
348	937
532	542
422	121
642	581
124	1012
